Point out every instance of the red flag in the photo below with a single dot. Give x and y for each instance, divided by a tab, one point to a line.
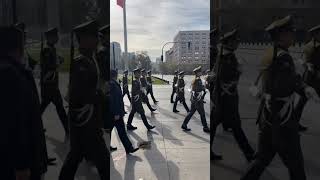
120	3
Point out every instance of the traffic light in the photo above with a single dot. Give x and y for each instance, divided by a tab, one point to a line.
162	58
189	45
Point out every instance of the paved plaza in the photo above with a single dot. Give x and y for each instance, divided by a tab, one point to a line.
175	154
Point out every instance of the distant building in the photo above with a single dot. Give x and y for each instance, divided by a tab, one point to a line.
115	55
169	56
195	53
253	16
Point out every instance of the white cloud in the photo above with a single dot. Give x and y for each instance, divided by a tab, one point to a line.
151	23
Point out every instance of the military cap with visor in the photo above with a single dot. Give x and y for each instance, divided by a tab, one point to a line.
315	29
181	73
136	70
232	35
21	26
285	24
51	31
87	28
198	69
104	29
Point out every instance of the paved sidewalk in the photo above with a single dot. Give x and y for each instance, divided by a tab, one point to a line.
174	154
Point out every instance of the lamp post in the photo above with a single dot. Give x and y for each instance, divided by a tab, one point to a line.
173	42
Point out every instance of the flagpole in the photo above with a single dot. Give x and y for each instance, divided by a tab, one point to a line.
125	35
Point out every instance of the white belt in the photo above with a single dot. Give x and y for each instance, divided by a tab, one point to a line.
227	86
89	108
287	108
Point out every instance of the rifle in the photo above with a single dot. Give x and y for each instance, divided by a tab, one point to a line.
217	85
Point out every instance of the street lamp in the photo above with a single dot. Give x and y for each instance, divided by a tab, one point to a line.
174	42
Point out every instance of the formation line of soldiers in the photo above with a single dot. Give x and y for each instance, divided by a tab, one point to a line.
278	117
198	92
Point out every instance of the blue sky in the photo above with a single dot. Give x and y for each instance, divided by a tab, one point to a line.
151	23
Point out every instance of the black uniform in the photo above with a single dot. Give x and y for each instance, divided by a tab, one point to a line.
277	120
125	87
86	136
174	90
311	78
197	102
144	87
226	108
117	108
49	82
150	88
22	138
136	100
180	95
104	77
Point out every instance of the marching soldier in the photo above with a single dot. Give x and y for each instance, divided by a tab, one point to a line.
225	95
144	87
312	73
117	112
29	62
149	86
125	86
197	102
214	51
276	119
103	60
49	80
86	136
136	95
174	90
180	93
23	144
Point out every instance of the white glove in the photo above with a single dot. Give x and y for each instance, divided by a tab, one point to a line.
311	93
254	91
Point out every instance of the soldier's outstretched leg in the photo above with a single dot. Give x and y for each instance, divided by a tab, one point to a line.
175	105
243	142
145	121
130	118
152	96
201	111
96	152
185	106
57	101
71	164
172	94
299	110
44	104
264	156
188	117
146	100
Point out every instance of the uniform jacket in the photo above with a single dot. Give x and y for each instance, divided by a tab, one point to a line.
280	81
116	100
48	62
21	132
84	95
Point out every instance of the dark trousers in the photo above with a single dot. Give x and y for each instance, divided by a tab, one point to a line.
138	108
150	91
122	133
172	94
196	106
126	92
54	96
287	147
228	113
182	100
145	99
90	146
301	104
